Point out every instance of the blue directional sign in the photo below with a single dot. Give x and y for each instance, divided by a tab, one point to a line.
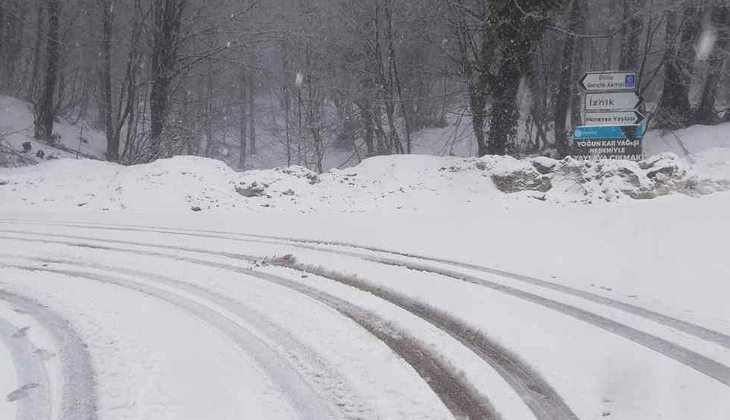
609	132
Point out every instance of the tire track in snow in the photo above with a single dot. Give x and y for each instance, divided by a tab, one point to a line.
303	399
458	395
329	381
535	392
78	396
692	359
699	362
695	330
33	395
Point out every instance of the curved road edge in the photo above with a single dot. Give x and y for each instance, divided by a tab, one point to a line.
79	399
457	395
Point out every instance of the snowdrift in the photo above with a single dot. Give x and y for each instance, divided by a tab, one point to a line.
381	184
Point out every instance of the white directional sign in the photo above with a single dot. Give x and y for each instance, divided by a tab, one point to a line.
611	101
612	126
613	118
595	82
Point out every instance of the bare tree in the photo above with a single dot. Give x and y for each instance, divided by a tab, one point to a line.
44	112
566	83
517	26
167	18
720	20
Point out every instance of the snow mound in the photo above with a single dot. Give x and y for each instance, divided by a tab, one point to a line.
384	184
165	185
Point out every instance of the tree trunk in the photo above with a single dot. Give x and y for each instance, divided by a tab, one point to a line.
720	18
44	109
105	73
396	77
505	113
209	100
252	111
672	109
631	28
366	116
38	45
287	87
386	87
12	14
3	41
562	98
243	122
477	107
516	58
166	31
478	80
576	119
686	53
5	23
518	30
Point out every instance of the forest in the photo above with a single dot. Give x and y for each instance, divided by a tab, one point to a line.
219	78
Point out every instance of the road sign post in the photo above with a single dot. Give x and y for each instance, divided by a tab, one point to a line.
612	126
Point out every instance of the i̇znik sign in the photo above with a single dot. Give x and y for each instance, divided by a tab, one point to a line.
611	123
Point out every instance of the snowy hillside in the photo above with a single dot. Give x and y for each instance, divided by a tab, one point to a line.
697	163
16	128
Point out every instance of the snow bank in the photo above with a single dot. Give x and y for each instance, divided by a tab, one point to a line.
383	184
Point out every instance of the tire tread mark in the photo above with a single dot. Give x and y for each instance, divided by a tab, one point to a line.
698	331
457	394
539	396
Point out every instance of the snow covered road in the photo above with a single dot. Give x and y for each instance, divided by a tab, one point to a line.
223	324
50	384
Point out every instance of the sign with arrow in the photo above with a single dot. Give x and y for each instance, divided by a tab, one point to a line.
612	126
611	101
613	118
609	132
604	81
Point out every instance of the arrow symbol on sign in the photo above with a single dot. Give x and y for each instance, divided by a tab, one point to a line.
608	81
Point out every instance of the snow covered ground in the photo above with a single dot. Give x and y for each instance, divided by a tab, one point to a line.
413	287
639	366
16	128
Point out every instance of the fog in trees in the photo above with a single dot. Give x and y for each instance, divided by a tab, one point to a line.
299	79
